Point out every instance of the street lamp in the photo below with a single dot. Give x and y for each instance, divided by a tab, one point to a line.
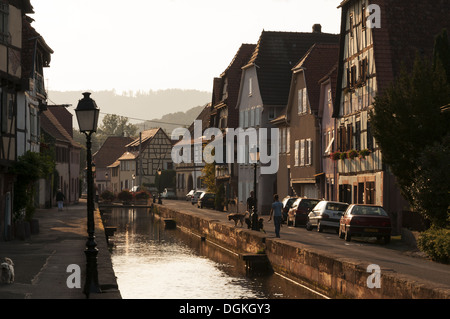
254	158
87	114
159	186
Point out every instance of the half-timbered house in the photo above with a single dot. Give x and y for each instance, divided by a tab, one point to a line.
377	40
152	152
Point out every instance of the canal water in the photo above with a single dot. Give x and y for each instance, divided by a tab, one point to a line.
152	262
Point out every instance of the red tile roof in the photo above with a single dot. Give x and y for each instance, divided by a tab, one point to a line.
111	150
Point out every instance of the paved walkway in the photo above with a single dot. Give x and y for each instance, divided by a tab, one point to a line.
41	260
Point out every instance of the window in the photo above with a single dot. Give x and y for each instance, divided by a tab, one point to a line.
363	16
302	101
358	135
330	99
352	24
258	116
297	159
363	69
370	192
369	137
250	86
272	113
288	140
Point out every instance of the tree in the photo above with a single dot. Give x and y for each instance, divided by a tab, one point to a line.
29	168
407	123
115	125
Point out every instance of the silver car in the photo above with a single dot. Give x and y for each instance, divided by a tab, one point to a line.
197	194
326	214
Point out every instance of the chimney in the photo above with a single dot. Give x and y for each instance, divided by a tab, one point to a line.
317	28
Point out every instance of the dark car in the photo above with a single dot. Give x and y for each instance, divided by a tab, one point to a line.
326	214
206	200
287	204
365	221
298	214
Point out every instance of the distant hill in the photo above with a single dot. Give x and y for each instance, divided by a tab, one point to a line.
176	106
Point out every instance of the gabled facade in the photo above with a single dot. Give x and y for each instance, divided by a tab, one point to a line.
19	115
328	177
371	56
224	115
109	152
189	176
67	156
152	151
302	114
264	95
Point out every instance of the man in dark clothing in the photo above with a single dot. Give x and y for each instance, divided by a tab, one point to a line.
60	199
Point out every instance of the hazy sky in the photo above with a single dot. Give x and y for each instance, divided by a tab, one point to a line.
159	44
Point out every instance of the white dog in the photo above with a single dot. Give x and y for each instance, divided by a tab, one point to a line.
7	276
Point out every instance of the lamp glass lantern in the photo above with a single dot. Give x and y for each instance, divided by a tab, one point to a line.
87	114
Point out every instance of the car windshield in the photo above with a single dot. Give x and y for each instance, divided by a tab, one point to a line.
309	203
289	202
368	210
339	207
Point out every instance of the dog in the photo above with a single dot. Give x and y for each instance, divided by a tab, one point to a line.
7	267
260	224
237	218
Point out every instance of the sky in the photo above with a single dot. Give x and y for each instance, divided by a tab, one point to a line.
143	45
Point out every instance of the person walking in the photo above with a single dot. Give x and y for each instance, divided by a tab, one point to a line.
60	199
276	212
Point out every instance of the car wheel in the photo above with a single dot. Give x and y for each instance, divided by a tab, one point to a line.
319	227
308	225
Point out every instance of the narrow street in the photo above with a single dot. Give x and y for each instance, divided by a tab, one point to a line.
394	257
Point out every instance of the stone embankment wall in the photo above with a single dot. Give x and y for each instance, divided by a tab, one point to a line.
333	275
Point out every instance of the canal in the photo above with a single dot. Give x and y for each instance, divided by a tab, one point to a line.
152	262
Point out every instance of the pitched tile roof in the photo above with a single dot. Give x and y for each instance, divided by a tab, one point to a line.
111	150
274	57
233	75
407	28
317	62
146	136
51	125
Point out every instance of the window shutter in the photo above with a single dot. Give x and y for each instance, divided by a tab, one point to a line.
302	153
297	162
309	154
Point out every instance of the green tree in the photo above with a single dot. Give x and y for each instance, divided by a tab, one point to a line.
115	125
29	168
408	123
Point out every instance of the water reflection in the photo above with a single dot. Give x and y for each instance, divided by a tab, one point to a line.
151	262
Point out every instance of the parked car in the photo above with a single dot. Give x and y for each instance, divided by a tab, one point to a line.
194	198
287	204
326	214
206	200
366	221
189	195
298	214
168	194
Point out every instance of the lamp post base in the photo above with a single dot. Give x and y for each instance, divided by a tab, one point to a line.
91	284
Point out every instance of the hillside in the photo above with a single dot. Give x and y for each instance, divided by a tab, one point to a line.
170	106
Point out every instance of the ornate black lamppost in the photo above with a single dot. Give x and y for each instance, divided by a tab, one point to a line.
254	158
87	114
